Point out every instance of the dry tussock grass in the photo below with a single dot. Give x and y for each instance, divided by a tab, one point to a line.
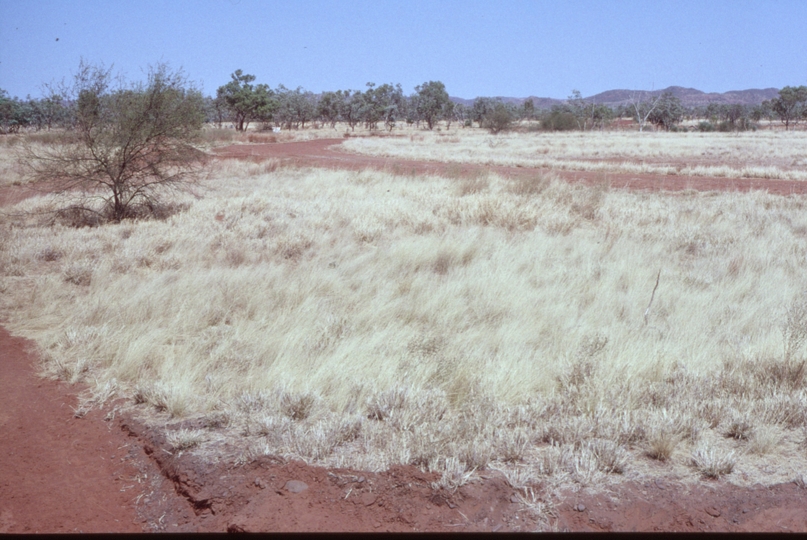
362	319
769	154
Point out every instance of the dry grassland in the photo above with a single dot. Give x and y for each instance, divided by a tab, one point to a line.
363	319
766	154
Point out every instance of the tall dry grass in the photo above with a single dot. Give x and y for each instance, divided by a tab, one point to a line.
364	319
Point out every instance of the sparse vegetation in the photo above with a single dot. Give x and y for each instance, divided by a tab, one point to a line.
765	155
129	145
364	319
184	439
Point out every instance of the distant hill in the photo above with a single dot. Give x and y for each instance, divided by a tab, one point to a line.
690	97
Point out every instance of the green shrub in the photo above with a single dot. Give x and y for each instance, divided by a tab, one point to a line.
499	119
559	121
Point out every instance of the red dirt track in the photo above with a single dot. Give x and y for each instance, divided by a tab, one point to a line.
51	463
107	472
325	153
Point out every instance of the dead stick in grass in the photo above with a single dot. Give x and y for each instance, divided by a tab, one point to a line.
652	296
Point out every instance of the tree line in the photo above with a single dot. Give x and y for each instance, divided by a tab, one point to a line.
124	144
242	102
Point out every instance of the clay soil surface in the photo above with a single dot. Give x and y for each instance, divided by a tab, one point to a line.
108	472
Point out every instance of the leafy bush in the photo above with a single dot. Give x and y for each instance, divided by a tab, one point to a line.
559	121
498	119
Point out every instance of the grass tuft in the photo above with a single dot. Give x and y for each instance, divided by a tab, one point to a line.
184	439
713	462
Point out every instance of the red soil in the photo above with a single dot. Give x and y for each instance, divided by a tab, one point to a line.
52	465
107	472
325	153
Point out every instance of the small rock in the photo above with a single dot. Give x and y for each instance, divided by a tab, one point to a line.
513	498
496	528
295	486
360	480
259	483
660	484
368	499
712	511
580	507
451	505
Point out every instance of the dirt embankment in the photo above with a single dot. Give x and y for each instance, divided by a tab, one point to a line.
106	472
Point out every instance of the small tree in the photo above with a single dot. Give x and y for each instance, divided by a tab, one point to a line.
131	143
528	109
244	101
579	108
667	111
292	108
643	109
499	118
432	101
328	107
790	105
14	114
449	113
351	107
480	109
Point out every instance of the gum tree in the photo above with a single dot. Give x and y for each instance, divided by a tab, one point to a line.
329	106
480	109
432	101
15	114
791	104
243	101
667	112
642	109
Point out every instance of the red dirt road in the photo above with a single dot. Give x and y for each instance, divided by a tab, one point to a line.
57	473
326	153
107	472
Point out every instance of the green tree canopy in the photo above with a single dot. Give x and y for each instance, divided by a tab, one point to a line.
480	109
245	102
499	118
667	112
14	113
790	105
432	101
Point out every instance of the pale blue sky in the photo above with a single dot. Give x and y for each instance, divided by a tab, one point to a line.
477	48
